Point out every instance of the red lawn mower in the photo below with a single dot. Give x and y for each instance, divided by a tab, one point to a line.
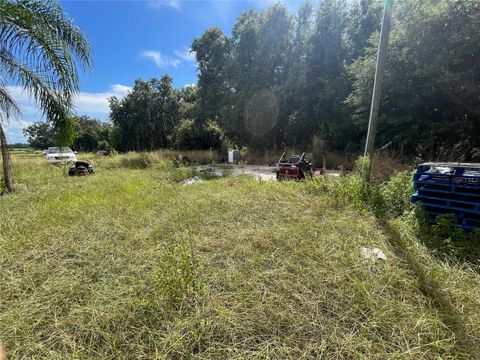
294	168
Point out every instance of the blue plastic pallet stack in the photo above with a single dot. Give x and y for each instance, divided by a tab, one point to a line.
450	188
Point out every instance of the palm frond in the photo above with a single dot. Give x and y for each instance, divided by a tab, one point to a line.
40	48
8	105
51	102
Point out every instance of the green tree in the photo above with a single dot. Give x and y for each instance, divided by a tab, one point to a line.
363	19
188	101
258	62
165	106
40	135
147	117
40	48
430	102
211	51
327	83
295	91
191	136
90	134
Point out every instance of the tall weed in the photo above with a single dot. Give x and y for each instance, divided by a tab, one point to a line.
447	237
174	171
396	194
136	161
178	277
351	190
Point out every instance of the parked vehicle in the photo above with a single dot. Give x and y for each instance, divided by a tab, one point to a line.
294	168
56	155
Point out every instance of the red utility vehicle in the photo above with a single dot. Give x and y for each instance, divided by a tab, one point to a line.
294	168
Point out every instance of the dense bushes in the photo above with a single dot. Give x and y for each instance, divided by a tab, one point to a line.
388	199
446	237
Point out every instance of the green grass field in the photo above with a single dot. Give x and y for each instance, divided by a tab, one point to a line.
128	264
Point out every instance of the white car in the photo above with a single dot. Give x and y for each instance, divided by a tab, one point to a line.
56	155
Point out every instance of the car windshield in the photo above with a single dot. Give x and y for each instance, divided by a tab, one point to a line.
54	150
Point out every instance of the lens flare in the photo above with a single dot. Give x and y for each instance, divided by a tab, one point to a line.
261	112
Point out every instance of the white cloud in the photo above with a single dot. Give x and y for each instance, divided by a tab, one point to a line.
160	60
163	61
157	4
14	129
15	135
121	89
18	124
93	103
85	103
186	54
96	104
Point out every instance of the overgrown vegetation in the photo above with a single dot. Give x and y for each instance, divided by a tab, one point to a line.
304	81
391	200
136	161
128	263
178	278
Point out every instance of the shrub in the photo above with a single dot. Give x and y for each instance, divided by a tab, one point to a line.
347	190
105	145
351	190
175	173
384	166
448	237
396	194
362	162
447	229
136	161
390	199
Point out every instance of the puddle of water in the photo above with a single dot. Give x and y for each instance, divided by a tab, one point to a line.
266	173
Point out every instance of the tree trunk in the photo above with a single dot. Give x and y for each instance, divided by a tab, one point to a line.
7	170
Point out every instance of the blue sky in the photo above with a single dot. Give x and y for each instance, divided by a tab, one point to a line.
137	39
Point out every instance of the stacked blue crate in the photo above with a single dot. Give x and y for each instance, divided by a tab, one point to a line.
450	188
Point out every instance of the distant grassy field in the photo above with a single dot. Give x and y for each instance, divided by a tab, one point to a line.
128	264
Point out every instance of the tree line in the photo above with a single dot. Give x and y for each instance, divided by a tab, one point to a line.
319	64
284	79
89	134
155	115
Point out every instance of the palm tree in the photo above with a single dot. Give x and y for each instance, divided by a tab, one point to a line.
40	48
